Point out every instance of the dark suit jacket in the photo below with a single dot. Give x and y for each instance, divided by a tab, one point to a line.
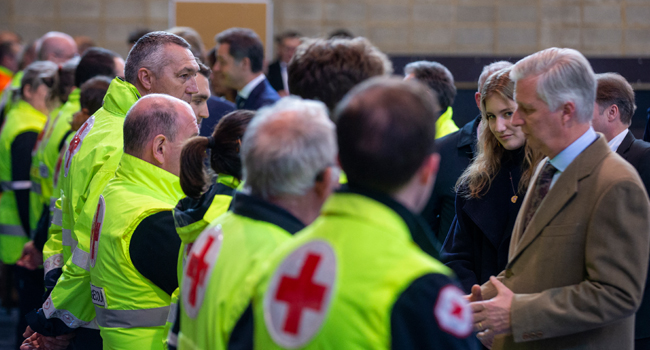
275	76
477	245
456	151
646	133
262	95
578	269
637	153
217	107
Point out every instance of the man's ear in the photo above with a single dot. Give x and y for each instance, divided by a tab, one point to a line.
145	77
429	168
323	185
612	113
159	149
27	92
568	112
246	63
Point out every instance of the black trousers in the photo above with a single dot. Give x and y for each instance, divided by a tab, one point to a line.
29	285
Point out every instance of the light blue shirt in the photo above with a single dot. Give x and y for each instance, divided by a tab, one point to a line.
564	158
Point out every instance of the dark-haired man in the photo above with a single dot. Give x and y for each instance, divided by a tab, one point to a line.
287	43
325	70
240	56
158	63
612	117
208	109
440	80
355	277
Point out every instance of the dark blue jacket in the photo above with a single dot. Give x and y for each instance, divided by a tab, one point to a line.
217	107
477	245
456	151
262	95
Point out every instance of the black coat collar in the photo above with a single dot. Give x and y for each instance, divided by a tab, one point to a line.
258	209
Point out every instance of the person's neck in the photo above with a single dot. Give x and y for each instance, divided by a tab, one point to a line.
614	130
302	207
40	106
410	196
250	77
567	138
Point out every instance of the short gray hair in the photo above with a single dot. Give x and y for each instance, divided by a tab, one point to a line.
564	75
152	115
37	73
489	70
286	146
148	52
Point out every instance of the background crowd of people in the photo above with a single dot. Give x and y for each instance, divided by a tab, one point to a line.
203	199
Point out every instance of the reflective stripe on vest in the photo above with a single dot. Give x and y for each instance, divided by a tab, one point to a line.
57	217
12	230
132	318
173	309
36	188
64	315
53	204
15	185
53	262
66	237
80	258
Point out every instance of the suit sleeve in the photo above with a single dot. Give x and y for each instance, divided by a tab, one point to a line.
21	162
154	250
431	313
616	261
457	250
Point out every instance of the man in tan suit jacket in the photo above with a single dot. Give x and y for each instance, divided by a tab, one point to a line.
578	259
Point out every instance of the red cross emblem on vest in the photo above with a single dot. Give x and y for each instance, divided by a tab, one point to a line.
452	312
299	294
202	258
78	138
96	229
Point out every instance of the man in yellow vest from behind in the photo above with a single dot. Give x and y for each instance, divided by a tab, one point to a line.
134	246
159	63
355	278
95	62
289	156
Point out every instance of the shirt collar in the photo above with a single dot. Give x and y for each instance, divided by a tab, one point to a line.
615	142
564	158
246	90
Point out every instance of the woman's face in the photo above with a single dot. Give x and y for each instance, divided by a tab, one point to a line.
498	111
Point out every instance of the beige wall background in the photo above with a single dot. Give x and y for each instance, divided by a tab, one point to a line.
611	28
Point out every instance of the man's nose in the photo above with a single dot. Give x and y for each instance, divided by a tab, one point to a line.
516	119
192	87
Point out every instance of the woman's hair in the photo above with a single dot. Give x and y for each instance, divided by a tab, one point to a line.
224	145
477	178
39	73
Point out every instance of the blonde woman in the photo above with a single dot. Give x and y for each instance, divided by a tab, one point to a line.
490	191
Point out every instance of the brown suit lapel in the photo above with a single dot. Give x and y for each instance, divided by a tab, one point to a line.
562	191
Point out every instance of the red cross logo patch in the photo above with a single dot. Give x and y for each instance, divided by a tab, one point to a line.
299	294
452	312
96	230
78	138
197	271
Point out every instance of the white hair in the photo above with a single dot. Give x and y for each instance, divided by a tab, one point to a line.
564	75
286	146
